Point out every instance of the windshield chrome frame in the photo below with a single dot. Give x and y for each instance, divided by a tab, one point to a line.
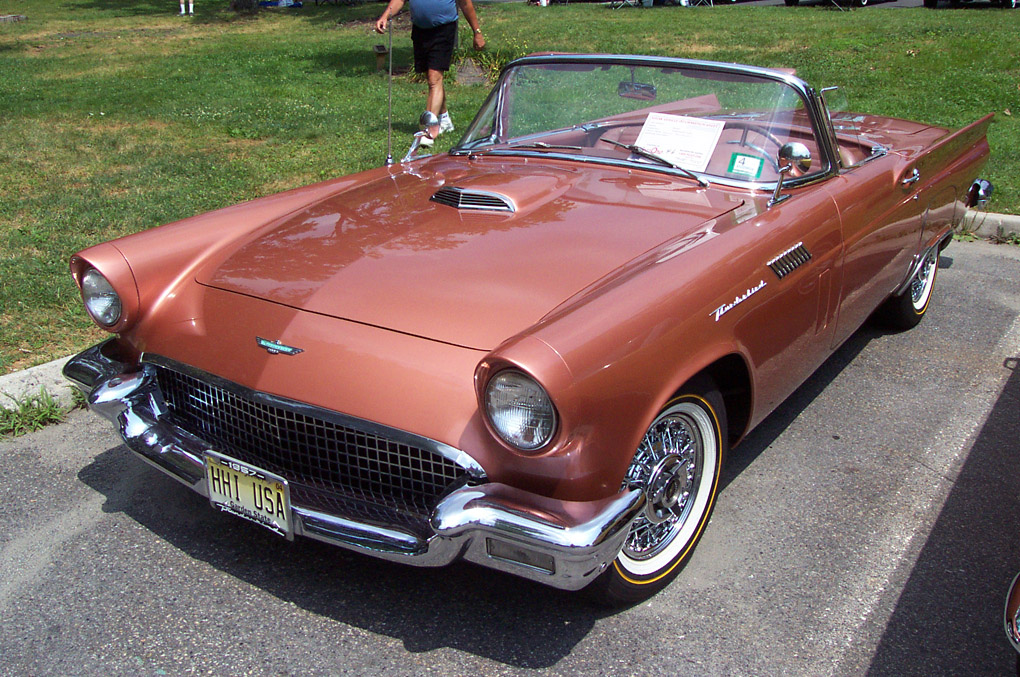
808	95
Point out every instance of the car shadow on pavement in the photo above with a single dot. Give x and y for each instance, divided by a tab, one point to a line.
766	432
464	607
949	618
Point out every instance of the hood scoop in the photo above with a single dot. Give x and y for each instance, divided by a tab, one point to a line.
470	256
469	198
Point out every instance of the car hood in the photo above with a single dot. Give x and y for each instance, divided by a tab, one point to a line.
384	254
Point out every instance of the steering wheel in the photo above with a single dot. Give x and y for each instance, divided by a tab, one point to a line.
761	131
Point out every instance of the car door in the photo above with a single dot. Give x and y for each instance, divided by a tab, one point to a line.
787	325
881	205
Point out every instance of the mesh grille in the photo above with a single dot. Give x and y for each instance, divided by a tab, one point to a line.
461	198
326	457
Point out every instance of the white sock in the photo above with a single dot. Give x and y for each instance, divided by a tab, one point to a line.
182	8
191	7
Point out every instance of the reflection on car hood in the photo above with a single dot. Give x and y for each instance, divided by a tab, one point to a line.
384	254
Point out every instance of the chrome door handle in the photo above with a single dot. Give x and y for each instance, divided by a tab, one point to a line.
914	177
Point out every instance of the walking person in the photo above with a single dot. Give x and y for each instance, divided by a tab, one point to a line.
191	7
434	35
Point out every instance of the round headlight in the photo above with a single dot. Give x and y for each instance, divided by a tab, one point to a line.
100	299
520	410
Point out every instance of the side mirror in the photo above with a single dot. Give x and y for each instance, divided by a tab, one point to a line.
796	154
429	124
791	155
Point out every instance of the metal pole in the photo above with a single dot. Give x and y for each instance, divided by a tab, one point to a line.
389	115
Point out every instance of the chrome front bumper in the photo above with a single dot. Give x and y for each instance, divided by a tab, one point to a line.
491	524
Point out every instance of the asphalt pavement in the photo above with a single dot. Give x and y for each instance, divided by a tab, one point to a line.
869	526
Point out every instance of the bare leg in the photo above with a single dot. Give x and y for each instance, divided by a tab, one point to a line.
437	94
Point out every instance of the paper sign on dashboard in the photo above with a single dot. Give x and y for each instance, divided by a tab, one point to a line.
683	140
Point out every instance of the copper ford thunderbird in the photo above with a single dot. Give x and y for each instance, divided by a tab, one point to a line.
533	351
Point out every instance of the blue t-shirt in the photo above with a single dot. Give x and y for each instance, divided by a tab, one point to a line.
432	13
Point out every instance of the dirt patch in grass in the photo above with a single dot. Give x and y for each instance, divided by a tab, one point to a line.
696	48
146	32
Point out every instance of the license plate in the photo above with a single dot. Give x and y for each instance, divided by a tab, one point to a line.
249	492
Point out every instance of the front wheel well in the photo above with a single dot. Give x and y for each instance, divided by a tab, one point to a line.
733	380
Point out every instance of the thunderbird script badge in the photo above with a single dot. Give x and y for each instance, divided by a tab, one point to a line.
277	348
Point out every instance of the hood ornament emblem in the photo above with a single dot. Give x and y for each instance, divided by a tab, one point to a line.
276	348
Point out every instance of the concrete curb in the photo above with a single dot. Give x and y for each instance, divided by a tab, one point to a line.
987	224
27	382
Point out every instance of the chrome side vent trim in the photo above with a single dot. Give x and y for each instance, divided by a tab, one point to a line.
793	258
480	200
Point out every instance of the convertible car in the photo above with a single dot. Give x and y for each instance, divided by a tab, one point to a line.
534	351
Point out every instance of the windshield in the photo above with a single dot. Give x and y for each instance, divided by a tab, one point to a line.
694	121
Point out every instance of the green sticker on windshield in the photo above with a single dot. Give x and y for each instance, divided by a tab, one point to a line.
746	165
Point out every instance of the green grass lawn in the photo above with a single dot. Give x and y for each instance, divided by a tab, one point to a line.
118	115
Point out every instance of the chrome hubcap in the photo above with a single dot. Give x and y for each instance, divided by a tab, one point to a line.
668	467
666	488
922	280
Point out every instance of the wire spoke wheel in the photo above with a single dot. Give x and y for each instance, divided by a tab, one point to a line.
924	280
905	310
676	466
668	465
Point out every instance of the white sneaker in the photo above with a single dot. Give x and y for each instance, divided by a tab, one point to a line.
445	123
426	141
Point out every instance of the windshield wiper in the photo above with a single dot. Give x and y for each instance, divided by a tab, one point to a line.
543	145
638	150
471	149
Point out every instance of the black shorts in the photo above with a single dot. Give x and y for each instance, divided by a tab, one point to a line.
433	47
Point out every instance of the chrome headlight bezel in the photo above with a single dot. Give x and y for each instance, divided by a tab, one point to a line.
520	411
102	302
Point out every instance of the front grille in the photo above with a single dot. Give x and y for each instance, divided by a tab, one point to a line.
325	461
